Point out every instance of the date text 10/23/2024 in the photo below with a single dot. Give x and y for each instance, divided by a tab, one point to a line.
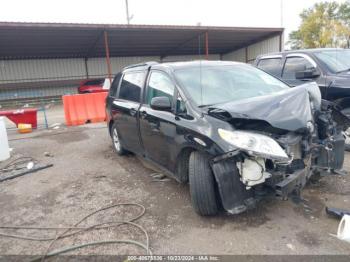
173	258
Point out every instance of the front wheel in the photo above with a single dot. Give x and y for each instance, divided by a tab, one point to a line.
346	112
116	141
202	185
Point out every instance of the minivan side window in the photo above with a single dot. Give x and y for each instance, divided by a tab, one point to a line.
114	87
130	88
271	65
293	65
159	84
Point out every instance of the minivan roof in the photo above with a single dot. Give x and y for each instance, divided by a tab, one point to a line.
196	63
178	65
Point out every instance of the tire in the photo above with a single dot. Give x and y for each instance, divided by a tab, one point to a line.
118	148
347	145
202	185
346	112
315	178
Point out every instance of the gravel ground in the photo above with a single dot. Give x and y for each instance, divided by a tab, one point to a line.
88	175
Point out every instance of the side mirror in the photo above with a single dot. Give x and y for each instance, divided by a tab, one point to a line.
307	74
161	103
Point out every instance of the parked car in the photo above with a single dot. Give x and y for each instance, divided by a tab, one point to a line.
328	67
94	85
233	131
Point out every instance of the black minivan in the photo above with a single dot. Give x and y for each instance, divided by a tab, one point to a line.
234	132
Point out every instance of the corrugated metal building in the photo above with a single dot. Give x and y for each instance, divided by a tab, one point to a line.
49	60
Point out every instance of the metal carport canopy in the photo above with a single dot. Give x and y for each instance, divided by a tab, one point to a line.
58	40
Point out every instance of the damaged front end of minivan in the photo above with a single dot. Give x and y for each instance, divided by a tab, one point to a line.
277	143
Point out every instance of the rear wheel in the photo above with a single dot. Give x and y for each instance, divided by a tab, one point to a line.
202	185
116	141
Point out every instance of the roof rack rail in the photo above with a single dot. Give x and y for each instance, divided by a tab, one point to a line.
150	63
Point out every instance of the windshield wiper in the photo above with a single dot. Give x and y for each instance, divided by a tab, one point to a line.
201	106
343	71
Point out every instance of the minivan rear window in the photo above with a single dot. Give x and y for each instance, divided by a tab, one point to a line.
130	88
114	88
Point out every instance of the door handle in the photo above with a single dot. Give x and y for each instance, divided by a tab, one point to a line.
132	111
154	127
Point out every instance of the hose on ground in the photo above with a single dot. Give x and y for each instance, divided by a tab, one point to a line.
71	248
78	229
16	164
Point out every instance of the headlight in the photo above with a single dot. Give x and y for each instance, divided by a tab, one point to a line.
254	144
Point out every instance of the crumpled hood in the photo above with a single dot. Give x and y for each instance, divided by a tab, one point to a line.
343	75
289	109
341	80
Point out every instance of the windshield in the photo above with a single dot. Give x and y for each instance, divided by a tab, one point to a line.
220	84
336	60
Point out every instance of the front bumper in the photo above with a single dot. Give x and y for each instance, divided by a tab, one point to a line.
236	198
292	183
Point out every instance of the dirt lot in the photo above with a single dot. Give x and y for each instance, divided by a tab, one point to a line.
87	175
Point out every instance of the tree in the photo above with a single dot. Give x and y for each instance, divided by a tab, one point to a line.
344	17
326	24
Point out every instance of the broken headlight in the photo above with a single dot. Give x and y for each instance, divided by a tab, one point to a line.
254	144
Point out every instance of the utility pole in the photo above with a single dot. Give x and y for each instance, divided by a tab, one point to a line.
282	34
281	13
128	17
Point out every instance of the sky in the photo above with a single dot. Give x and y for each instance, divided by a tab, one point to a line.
251	13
